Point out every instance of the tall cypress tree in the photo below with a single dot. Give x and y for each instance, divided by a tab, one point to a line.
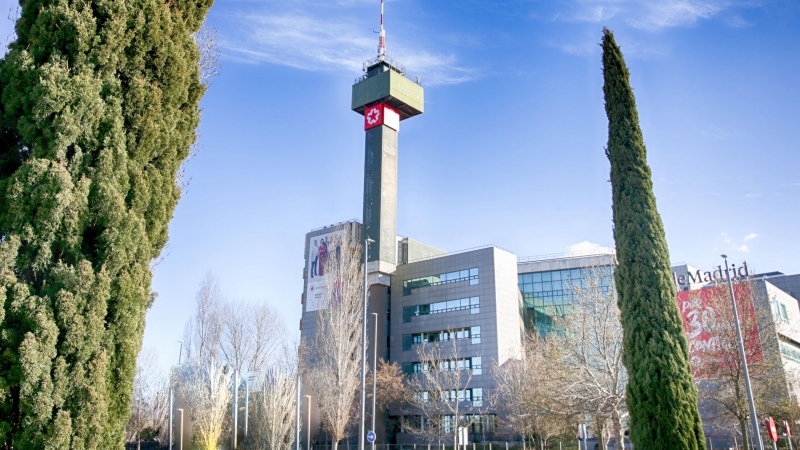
662	397
98	109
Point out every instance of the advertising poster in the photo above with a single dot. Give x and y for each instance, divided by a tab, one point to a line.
319	247
709	326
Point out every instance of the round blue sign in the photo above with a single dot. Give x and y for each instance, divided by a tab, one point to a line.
371	437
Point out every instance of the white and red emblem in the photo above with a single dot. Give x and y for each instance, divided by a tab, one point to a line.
373	116
381	114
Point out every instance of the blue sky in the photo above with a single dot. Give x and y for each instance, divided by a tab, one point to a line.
509	150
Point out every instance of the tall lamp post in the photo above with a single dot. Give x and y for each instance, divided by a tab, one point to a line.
308	423
171	404
367	241
180	410
374	374
753	418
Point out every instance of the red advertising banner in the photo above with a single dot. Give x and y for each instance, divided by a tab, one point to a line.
709	326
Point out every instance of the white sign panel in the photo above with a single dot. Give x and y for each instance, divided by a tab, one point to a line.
319	248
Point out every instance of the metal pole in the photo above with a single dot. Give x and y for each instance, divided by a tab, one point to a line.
235	412
297	416
246	402
363	350
180	447
753	416
308	423
171	418
374	373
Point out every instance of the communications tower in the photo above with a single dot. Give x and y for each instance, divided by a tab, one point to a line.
385	97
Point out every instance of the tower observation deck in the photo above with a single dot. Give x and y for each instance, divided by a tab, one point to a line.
384	96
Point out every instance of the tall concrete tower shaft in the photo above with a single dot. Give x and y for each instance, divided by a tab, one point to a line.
385	97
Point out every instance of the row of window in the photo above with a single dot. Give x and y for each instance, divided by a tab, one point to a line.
555	275
471	303
444	278
474	395
790	351
473	364
476	423
471	333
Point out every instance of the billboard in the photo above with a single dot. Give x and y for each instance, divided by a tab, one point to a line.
319	247
710	329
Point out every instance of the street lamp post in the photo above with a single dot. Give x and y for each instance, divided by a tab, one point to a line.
172	405
308	423
297	415
363	349
753	417
374	374
235	410
180	447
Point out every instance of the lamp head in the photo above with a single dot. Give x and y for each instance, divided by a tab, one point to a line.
724	256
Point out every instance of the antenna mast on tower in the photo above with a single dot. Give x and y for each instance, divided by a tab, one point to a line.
382	38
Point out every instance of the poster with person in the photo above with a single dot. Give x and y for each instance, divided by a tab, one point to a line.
709	326
319	248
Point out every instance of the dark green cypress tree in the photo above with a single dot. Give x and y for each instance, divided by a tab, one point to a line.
98	109
662	397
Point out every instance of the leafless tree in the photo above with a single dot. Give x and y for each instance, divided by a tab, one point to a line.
250	335
144	387
274	402
206	388
208	65
201	335
590	343
332	358
389	387
440	392
528	392
149	408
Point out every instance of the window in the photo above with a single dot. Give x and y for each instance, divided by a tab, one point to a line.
444	278
471	333
446	365
471	303
475	335
779	310
790	351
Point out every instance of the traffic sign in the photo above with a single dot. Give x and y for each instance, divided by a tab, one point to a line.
787	428
371	437
772	430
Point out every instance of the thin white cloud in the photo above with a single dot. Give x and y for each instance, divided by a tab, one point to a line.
650	15
750	237
585	247
753	195
744	249
305	38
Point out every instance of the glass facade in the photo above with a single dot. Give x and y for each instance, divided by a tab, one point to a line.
471	303
549	296
444	278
